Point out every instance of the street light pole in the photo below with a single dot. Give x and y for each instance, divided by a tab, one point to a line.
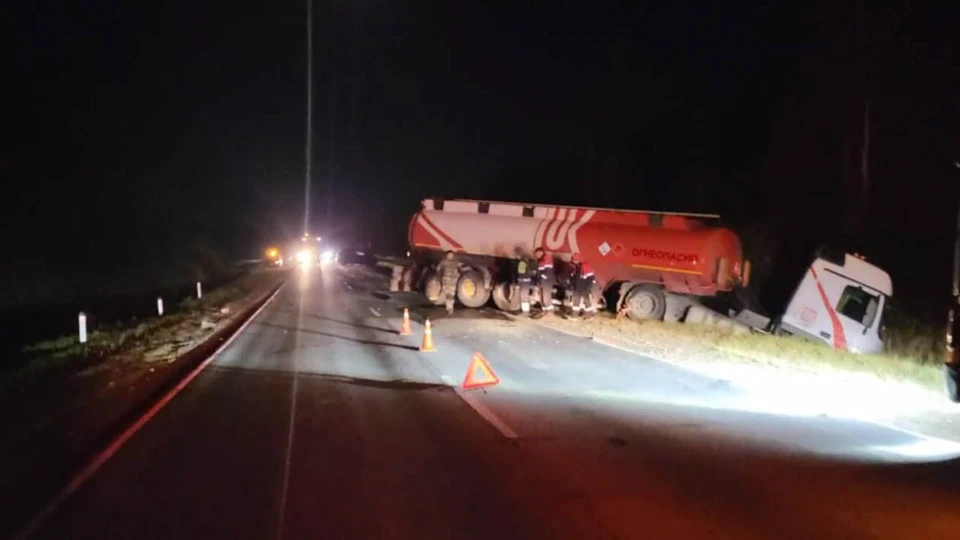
308	150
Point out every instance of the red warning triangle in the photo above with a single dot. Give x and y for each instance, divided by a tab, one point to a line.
479	373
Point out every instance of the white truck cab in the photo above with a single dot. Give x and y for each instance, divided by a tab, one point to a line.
840	301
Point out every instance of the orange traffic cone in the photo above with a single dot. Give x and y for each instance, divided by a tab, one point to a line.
427	338
405	327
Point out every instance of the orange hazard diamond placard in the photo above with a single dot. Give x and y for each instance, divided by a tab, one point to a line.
479	373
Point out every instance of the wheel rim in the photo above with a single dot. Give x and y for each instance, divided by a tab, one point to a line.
469	288
432	290
643	304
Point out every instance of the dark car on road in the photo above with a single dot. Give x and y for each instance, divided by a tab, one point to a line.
356	255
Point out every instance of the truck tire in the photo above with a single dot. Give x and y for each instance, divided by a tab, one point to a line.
951	376
502	298
646	303
431	288
599	299
470	290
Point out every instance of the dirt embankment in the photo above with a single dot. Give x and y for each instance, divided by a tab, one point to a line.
69	399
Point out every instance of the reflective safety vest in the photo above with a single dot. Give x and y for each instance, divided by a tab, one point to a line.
546	261
545	271
584	271
524	270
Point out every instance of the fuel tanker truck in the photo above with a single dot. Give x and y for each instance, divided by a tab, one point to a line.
647	265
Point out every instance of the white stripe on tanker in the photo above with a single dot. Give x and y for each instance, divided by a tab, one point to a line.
560	224
557	227
538	239
478	233
443	243
574	247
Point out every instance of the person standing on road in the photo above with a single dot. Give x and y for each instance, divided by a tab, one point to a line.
449	270
546	279
583	281
525	272
564	271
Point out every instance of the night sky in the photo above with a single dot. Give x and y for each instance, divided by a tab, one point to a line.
137	130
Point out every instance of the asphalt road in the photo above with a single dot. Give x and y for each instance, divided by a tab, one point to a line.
320	421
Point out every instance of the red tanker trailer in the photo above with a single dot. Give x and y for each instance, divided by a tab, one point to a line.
637	256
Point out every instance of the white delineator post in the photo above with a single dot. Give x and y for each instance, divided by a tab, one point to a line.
160	306
199	291
82	323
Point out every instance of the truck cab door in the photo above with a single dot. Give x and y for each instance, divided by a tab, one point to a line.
834	309
858	310
806	316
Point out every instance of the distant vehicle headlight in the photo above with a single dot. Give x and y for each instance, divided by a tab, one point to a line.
328	255
303	256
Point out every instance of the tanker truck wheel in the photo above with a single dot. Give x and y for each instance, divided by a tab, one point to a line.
503	299
951	376
470	290
646	303
431	288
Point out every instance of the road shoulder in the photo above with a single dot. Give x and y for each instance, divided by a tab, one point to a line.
903	406
54	425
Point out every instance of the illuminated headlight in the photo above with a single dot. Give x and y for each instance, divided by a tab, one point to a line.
303	257
328	256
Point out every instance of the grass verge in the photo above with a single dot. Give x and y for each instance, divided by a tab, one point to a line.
793	352
66	353
53	418
681	342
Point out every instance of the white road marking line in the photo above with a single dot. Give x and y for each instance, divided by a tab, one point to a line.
601	341
906	431
375	312
481	409
289	453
